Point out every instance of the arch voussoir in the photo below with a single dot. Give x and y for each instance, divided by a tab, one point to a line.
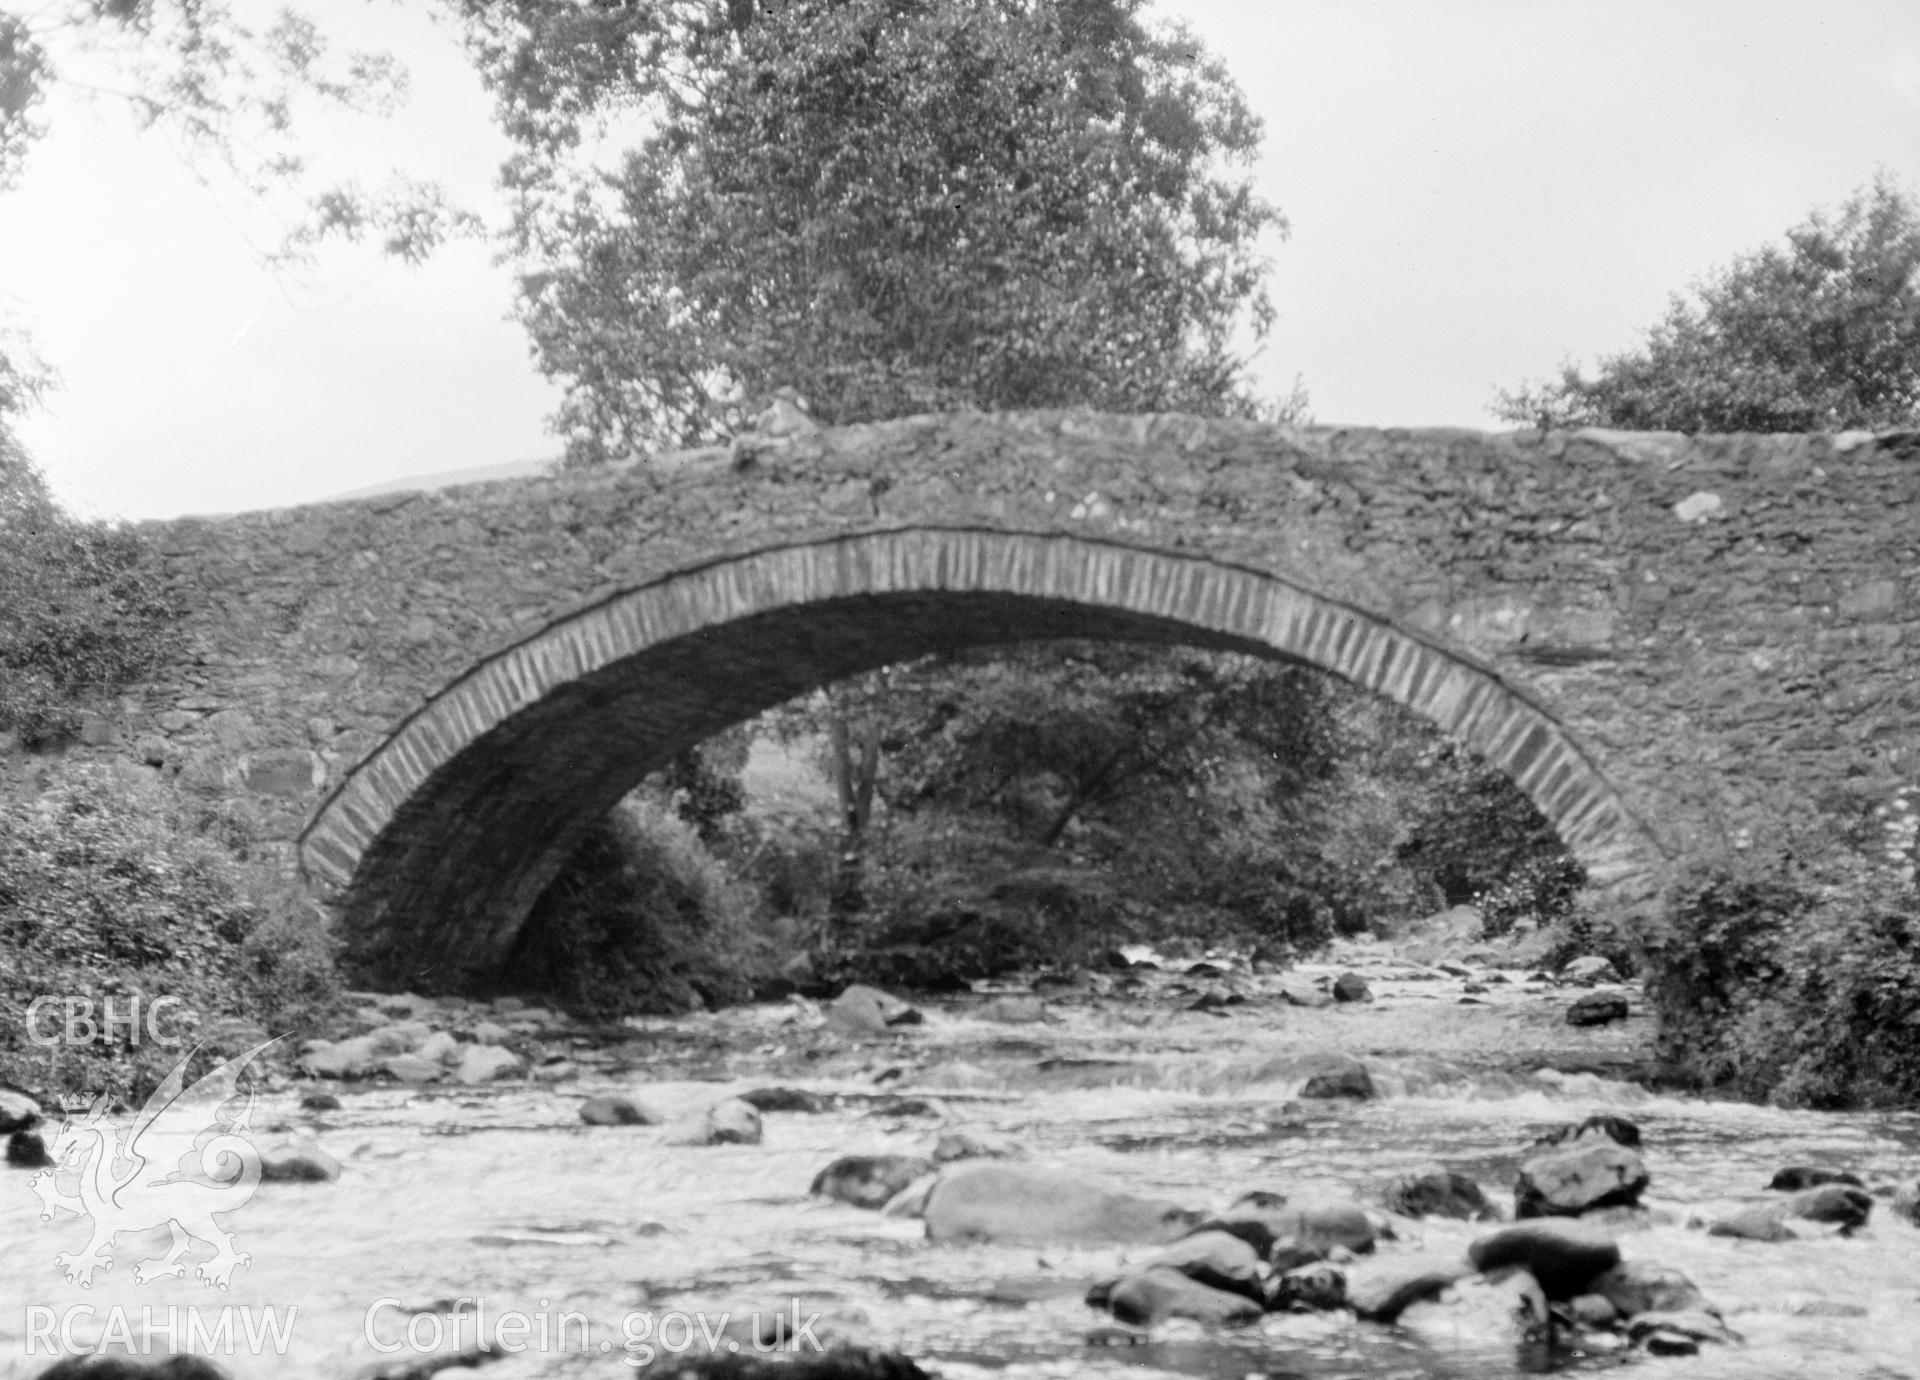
442	837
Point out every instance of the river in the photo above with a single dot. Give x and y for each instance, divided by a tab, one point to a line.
499	1196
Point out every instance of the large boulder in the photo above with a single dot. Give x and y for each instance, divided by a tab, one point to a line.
1564	1257
869	1181
1313	1229
1160	1293
978	1201
1436	1191
1587	1175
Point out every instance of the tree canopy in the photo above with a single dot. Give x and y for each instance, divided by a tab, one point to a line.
1819	333
890	206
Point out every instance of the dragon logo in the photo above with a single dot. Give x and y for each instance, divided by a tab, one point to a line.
186	1158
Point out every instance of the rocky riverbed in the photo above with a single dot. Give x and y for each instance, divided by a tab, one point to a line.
1009	1182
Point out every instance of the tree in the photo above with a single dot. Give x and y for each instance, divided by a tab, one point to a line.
225	96
1820	333
891	206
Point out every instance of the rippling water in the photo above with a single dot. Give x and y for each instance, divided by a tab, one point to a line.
503	1197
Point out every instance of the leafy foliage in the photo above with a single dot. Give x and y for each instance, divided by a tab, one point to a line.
1820	333
226	96
891	207
1777	977
82	607
108	886
643	919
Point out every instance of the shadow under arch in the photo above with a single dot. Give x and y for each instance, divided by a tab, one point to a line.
438	844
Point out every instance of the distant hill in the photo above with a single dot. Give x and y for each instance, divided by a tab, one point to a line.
476	474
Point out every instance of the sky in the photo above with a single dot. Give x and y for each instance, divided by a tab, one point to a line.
1476	192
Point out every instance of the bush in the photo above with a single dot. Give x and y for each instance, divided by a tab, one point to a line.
1799	983
641	920
108	889
82	608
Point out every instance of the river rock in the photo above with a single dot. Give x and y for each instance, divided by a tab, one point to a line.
964	1144
1765	1222
1319	1227
1351	987
618	1110
491	1032
307	1164
1569	1182
863	1010
1217	1259
1565	1257
1796	1177
1381	1292
729	1121
350	1058
319	1102
869	1181
411	1068
98	1366
1300	994
1313	1288
1597	1008
1436	1191
486	1064
839	1361
1589	970
1640	1286
1320	1074
1340	1075
400	1037
1906	1202
1846	1205
1158	1294
786	1100
1600	1126
1013	1010
1019	1203
28	1149
439	1048
1830	1204
1662	1333
18	1111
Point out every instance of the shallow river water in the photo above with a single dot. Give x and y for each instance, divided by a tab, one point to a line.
616	1249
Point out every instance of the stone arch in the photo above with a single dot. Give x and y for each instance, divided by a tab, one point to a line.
439	842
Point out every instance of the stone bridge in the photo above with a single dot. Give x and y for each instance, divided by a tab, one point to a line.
1669	644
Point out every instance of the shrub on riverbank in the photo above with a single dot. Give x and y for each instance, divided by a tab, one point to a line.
110	887
1793	977
642	920
82	608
